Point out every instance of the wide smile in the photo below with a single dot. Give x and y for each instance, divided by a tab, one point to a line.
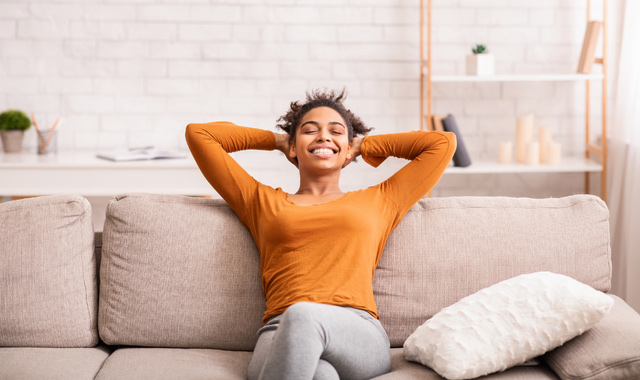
323	152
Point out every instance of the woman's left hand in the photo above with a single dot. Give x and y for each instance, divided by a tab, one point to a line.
282	144
355	150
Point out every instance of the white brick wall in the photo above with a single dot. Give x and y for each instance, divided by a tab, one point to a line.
136	72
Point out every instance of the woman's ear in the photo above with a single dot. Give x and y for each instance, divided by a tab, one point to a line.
292	149
348	159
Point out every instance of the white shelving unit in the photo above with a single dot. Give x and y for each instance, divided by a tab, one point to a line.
584	164
515	78
568	165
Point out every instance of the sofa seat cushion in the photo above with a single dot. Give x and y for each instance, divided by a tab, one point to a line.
20	363
48	287
175	363
609	350
402	369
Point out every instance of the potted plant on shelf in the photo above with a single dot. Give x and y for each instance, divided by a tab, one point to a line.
13	123
481	62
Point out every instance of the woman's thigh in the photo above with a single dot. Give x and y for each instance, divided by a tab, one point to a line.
351	340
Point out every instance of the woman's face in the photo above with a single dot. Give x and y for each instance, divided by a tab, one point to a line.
322	140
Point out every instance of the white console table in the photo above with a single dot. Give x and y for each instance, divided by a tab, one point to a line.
27	174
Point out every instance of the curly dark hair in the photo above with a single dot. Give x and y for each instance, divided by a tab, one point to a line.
317	98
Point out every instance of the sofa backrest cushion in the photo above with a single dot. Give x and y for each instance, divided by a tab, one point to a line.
447	248
178	272
48	291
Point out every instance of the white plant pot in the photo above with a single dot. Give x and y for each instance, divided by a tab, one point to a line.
480	64
12	140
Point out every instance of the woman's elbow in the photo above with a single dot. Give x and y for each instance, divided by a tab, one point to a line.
446	140
190	130
194	132
452	143
451	139
447	143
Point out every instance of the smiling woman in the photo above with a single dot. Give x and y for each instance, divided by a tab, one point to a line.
320	246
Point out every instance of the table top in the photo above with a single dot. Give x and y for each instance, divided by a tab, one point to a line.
81	172
87	159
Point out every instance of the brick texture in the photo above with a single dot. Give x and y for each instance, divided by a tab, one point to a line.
136	72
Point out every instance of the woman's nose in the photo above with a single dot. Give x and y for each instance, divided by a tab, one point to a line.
324	136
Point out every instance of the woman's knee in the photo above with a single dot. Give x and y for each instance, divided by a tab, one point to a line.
325	371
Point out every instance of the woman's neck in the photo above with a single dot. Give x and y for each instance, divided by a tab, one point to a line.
318	189
319	186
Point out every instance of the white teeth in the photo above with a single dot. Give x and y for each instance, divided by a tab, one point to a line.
322	151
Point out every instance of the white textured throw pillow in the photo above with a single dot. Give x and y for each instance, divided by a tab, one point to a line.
506	324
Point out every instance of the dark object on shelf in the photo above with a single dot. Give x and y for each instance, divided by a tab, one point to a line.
461	156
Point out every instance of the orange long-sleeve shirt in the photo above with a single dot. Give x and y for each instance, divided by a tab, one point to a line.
325	253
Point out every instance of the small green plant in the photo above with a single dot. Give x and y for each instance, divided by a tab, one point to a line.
479	49
14	120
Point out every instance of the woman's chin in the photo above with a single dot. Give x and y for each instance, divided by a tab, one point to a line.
324	166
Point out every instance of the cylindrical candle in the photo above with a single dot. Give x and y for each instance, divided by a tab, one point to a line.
544	138
505	152
524	135
532	154
554	153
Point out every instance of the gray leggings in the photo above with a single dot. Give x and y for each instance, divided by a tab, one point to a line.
318	341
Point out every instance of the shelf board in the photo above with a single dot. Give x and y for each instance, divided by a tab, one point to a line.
568	165
516	78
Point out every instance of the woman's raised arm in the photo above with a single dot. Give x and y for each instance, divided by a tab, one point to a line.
211	143
429	152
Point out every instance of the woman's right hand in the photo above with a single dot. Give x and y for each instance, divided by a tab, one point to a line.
282	144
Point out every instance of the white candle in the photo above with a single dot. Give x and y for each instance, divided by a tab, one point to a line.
544	138
505	152
524	135
532	155
554	153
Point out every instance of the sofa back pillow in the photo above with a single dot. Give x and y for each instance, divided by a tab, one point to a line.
48	291
178	272
448	248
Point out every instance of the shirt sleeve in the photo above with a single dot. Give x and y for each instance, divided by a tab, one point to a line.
429	152
211	143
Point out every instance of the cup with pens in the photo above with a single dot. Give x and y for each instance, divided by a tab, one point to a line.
47	141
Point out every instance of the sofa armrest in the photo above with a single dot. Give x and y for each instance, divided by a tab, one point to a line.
608	351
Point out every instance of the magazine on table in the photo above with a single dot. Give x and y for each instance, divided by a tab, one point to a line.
139	154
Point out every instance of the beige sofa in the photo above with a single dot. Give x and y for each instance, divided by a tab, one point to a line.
178	293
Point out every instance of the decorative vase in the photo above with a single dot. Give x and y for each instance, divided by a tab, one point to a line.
12	140
480	64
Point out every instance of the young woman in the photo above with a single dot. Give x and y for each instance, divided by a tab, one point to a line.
319	247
